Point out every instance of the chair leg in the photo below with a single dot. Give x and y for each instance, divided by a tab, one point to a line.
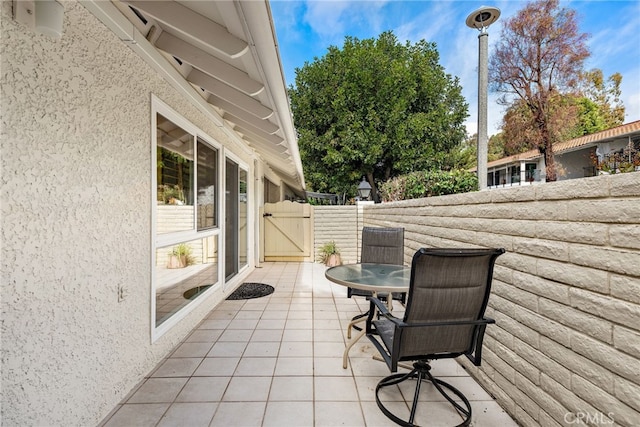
362	317
421	372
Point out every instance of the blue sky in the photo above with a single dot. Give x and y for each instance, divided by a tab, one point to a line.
306	28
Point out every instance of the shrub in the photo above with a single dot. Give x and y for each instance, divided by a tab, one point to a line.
428	183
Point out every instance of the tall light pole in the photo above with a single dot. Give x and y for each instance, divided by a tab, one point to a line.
480	19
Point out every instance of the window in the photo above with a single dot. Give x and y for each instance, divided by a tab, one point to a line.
207	184
271	192
530	172
186	218
174	176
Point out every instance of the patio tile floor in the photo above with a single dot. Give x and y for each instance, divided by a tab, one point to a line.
277	361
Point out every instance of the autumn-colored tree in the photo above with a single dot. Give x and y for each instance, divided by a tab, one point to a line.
519	127
596	107
539	56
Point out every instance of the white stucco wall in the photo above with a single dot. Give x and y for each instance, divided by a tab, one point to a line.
571	165
76	209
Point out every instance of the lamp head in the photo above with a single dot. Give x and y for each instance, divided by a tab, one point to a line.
483	17
364	189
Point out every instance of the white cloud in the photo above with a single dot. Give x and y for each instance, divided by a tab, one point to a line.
630	88
331	20
326	18
321	23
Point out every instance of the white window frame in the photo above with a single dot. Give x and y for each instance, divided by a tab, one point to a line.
163	240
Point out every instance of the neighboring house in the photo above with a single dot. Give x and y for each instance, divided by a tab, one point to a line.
575	158
138	146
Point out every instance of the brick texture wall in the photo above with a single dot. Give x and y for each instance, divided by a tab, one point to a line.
340	224
566	295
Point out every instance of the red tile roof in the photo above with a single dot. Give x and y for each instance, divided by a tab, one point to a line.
560	147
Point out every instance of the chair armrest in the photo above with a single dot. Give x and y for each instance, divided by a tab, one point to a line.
377	306
484	321
476	356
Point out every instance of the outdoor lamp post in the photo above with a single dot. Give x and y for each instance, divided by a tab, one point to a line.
480	19
364	189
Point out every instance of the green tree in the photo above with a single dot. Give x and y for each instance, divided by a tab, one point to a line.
605	94
539	56
464	155
496	147
375	108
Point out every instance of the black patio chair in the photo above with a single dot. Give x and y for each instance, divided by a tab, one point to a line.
444	318
381	246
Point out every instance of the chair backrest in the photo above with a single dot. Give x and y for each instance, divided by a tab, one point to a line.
382	245
446	285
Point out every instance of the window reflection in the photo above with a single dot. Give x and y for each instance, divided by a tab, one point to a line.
187	195
242	201
207	185
183	272
174	177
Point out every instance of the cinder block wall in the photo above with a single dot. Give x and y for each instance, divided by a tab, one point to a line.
566	295
340	224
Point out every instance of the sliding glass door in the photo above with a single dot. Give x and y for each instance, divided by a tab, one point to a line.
236	244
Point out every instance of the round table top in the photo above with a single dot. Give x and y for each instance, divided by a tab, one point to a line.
371	277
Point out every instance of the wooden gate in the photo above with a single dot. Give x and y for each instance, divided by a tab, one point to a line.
287	233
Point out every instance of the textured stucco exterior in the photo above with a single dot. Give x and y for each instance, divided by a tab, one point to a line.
76	220
565	348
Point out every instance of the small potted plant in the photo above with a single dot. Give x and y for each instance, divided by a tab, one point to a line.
330	254
171	195
180	256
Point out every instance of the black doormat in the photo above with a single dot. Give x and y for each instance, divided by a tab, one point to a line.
251	290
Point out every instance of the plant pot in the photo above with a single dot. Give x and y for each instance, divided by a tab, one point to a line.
177	261
333	260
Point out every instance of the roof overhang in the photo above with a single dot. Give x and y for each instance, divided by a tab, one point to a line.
622	132
223	56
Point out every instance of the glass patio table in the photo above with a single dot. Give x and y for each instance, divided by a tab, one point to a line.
376	278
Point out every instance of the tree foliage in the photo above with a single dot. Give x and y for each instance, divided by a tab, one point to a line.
465	155
539	56
607	110
420	184
375	108
521	132
594	107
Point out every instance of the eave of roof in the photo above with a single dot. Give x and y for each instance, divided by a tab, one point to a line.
573	144
223	56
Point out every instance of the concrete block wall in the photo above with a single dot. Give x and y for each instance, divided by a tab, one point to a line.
566	295
340	224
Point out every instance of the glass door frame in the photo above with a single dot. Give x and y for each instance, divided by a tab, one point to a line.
241	166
